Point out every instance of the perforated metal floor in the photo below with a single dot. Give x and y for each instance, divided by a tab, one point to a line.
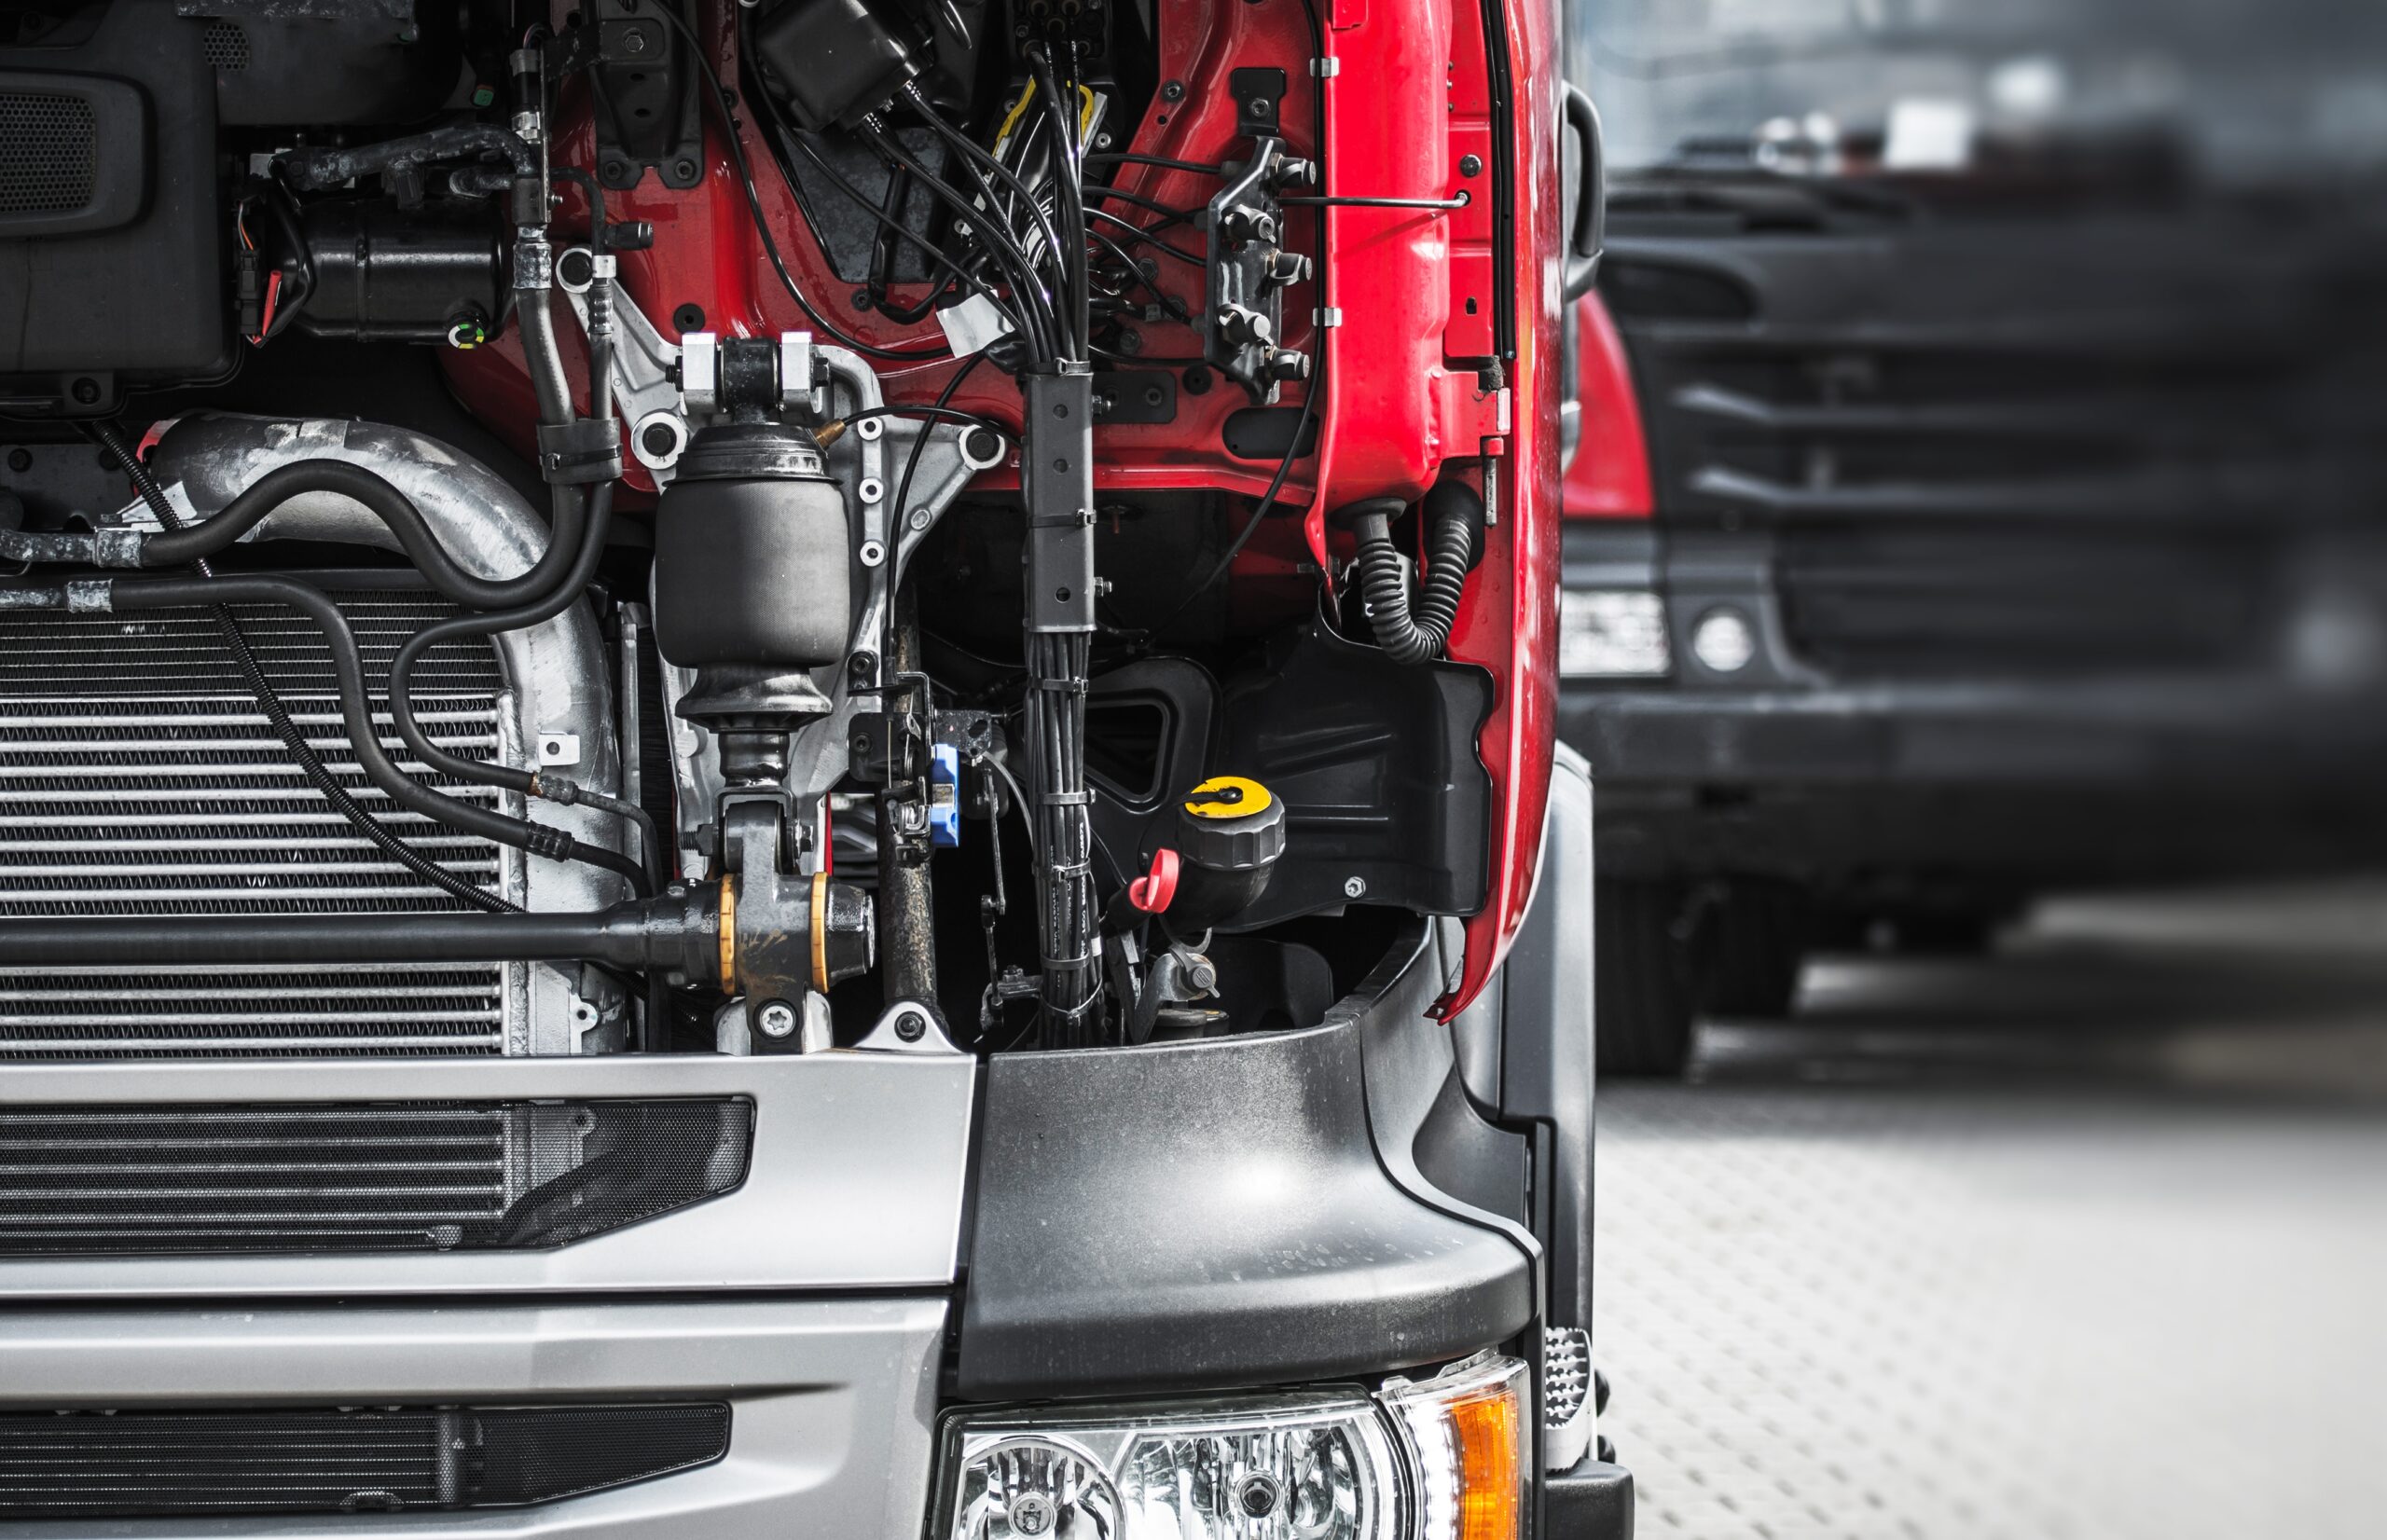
2032	1306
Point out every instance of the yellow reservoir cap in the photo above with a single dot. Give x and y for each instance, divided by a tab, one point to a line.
1228	797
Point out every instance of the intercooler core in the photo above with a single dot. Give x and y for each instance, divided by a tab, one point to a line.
138	778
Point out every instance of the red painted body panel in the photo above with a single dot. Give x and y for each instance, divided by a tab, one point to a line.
1404	374
1509	622
1611	475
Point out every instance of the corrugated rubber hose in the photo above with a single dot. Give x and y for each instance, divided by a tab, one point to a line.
1415	635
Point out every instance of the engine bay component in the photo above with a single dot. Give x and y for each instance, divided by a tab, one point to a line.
1230	832
1248	266
751	551
838	60
879	554
376	272
110	218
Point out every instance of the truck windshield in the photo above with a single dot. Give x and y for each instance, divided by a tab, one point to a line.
2231	90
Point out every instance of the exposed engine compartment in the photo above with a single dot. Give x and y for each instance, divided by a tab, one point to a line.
747	528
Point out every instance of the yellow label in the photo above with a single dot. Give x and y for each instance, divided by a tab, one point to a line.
1228	797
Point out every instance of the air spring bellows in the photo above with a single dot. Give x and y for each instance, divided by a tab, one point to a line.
1453	516
751	587
749	553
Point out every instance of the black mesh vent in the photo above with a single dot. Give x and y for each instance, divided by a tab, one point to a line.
50	161
173	1464
409	1177
226	45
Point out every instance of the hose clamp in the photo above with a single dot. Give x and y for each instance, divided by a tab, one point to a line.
90	595
117	547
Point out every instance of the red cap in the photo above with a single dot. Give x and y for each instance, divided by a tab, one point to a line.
1152	892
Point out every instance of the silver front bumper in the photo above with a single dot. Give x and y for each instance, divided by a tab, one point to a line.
812	1299
832	1401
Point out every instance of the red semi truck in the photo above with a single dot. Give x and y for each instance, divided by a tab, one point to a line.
789	768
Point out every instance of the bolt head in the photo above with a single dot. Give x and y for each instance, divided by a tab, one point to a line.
777	1019
1354	888
911	1026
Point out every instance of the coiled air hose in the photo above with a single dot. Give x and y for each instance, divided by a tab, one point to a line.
1453	516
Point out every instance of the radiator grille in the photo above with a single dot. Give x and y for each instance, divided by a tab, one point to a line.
123	1465
137	777
407	1177
51	165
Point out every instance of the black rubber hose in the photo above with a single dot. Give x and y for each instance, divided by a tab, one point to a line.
527	782
543	357
398	514
302	754
1412	637
677	932
136	594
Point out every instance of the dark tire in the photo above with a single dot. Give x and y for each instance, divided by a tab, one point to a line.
1750	937
1640	992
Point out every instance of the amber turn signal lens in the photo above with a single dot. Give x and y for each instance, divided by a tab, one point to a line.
1490	1463
1464	1433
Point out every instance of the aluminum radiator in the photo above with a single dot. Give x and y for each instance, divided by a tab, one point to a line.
138	776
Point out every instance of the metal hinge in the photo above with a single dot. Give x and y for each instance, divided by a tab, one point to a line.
1325	69
1331	316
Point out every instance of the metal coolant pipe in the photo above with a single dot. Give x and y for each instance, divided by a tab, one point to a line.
681	932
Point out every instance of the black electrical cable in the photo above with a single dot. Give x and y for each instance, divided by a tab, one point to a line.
844	184
527	782
1109	157
972	154
1070	174
941	412
1026	291
1169	302
302	754
1458	200
720	100
1175	216
1142	237
1267	502
911	461
140	595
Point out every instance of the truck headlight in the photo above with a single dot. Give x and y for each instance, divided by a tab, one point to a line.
1611	633
1439	1459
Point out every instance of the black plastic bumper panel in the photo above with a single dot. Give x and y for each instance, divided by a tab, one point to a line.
1219	1212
